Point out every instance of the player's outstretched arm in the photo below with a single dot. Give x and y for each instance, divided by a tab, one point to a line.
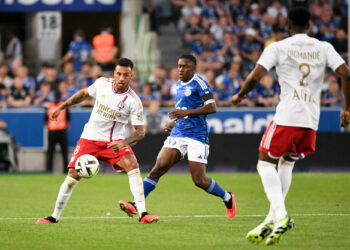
250	83
140	131
209	108
343	72
76	98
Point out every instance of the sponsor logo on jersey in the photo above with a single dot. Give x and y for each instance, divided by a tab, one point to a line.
140	116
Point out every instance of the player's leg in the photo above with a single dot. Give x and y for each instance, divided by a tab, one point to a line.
64	194
166	158
83	147
200	179
129	163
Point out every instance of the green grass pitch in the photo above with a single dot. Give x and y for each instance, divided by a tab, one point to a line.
188	217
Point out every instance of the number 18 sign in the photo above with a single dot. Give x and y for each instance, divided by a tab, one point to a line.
49	24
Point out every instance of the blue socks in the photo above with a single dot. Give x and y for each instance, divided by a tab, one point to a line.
216	190
148	185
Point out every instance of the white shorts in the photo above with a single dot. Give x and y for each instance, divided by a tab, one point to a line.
196	151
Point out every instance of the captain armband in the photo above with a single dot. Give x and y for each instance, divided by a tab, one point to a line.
208	98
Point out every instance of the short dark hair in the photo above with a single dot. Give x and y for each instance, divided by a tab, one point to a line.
189	57
125	62
299	16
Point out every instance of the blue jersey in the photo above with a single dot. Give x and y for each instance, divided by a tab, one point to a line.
81	52
189	96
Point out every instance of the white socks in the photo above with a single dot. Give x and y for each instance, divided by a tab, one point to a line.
63	196
136	187
273	188
285	169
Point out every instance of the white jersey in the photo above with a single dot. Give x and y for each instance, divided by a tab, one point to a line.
300	63
111	111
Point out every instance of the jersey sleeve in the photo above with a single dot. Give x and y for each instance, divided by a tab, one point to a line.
136	113
269	57
334	60
205	91
93	88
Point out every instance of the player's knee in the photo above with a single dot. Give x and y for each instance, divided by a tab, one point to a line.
199	181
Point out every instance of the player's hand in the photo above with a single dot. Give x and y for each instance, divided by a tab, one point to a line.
177	114
236	99
169	126
55	114
116	146
345	118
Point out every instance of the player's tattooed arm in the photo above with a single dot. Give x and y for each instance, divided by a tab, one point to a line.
250	83
76	98
136	136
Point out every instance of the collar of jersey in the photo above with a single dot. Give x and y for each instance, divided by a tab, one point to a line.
185	83
300	34
115	92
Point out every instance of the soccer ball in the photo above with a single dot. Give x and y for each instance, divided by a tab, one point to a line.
87	166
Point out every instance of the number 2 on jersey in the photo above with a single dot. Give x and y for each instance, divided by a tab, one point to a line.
301	66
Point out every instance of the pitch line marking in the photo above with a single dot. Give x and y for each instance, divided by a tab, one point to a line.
172	216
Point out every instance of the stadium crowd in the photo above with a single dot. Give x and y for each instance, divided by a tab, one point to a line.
227	38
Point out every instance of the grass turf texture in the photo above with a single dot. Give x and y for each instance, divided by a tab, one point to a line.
86	225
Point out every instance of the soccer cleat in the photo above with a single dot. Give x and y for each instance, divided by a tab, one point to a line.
148	218
47	220
128	207
280	228
231	207
260	232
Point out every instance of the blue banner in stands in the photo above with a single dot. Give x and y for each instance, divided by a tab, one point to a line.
60	5
27	126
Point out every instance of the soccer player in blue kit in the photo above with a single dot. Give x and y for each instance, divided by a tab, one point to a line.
189	135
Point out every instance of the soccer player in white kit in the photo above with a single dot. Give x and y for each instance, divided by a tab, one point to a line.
300	63
103	135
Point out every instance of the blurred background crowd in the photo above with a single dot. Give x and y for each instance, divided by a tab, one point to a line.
227	38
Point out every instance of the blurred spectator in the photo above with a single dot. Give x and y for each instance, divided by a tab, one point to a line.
218	29
63	89
79	50
18	95
282	25
167	100
57	133
268	92
341	43
156	80
154	120
50	76
96	72
73	86
235	10
254	18
135	85
41	75
211	12
276	35
28	81
250	49
193	31
190	9
3	95
319	8
13	52
173	79
239	29
276	8
228	49
68	68
105	49
85	74
327	28
8	149
333	97
210	78
147	96
44	95
221	94
4	77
